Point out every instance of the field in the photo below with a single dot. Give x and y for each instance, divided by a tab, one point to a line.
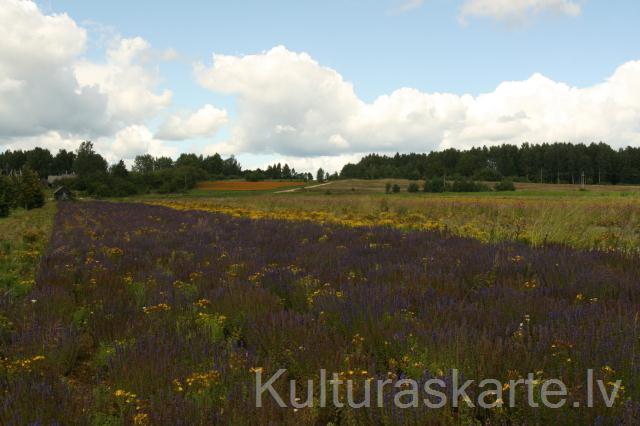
593	219
230	185
165	311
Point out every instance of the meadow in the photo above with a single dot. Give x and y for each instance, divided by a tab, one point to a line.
605	218
143	314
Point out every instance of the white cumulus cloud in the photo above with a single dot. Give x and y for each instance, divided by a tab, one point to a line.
128	85
517	10
51	96
289	104
136	140
207	121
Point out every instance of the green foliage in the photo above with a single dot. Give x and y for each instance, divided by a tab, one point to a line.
545	163
505	185
254	176
387	187
320	175
88	162
119	170
30	194
6	194
488	174
463	185
434	185
395	187
413	187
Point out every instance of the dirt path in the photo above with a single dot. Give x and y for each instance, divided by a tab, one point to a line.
304	187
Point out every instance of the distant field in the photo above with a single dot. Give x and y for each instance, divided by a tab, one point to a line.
604	219
523	189
229	185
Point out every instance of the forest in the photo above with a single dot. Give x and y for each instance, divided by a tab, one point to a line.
544	163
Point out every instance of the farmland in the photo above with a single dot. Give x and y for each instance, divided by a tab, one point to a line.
144	314
601	218
231	185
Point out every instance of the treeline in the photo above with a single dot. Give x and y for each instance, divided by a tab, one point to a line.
276	171
95	177
546	163
20	190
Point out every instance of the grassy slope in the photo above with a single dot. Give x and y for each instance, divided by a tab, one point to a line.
23	238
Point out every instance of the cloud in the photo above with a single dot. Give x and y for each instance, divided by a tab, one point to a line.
38	91
289	104
136	140
169	54
410	5
51	96
127	84
517	10
205	122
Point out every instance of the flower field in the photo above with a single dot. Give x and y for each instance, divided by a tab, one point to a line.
142	314
230	185
605	223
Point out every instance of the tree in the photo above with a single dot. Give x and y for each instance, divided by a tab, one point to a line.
286	171
31	195
144	164
231	167
40	160
189	160
62	162
88	162
320	175
119	170
213	164
163	163
6	195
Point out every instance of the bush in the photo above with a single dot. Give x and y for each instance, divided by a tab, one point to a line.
387	187
5	196
434	185
488	174
31	195
413	187
254	176
505	185
464	185
395	187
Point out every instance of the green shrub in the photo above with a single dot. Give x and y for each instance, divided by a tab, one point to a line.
30	194
395	187
5	196
488	174
434	185
387	187
413	187
505	185
464	185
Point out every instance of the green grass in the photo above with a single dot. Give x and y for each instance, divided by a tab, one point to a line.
23	237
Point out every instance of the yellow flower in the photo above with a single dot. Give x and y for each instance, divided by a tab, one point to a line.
141	419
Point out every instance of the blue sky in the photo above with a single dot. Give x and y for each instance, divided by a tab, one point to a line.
379	47
375	46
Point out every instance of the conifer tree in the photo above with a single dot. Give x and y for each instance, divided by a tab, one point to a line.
30	190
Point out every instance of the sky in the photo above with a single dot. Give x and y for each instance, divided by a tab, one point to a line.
316	84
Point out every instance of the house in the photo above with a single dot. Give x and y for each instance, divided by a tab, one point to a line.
63	194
